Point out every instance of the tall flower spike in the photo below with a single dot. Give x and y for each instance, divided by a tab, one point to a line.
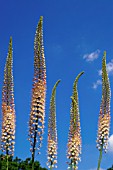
37	113
52	131
104	115
8	106
74	136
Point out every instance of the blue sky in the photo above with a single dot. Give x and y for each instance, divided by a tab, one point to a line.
76	33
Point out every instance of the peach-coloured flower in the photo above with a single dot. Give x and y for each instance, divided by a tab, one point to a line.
52	131
104	115
74	136
37	113
8	107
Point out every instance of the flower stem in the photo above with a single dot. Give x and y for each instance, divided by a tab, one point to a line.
100	157
50	167
7	163
75	167
71	165
34	144
32	164
51	164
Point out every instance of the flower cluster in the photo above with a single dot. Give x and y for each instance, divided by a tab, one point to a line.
104	115
74	137
52	131
103	131
37	113
8	107
52	153
74	149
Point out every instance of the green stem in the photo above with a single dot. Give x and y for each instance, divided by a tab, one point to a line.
50	167
74	167
7	163
51	164
33	154
32	164
71	164
100	157
7	156
34	145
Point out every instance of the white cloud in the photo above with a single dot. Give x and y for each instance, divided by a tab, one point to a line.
95	85
109	68
92	56
110	144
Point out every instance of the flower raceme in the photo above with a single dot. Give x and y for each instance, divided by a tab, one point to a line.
74	144
104	115
37	113
8	107
74	136
52	131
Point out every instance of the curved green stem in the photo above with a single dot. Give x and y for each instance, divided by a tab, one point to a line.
100	157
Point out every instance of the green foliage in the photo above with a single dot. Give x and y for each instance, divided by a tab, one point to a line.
18	164
110	168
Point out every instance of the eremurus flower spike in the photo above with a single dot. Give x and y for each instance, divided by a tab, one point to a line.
52	130
104	115
74	136
8	108
37	113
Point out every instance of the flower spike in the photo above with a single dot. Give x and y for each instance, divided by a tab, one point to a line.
104	115
37	113
74	136
52	130
8	106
